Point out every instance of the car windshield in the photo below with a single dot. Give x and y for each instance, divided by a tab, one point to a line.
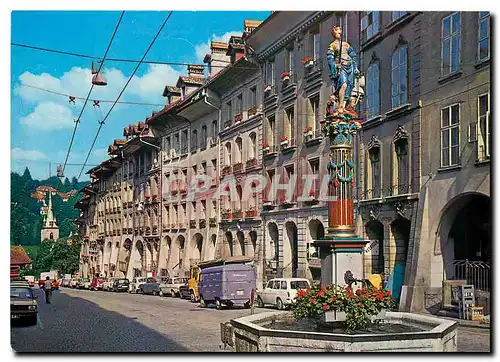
20	293
180	281
122	281
299	284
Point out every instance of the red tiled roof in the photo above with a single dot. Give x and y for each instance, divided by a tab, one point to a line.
193	80
218	45
18	256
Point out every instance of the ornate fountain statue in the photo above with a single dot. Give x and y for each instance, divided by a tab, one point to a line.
341	250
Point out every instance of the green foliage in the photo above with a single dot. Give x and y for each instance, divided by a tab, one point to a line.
57	255
25	218
358	307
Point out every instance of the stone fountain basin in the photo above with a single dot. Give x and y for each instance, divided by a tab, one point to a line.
247	334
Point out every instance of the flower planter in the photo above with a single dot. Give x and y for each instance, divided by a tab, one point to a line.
237	215
252	163
266	149
285	79
251	213
238	118
238	167
252	111
226	170
309	64
267	89
212	222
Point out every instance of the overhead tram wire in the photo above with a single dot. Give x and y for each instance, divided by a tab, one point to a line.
101	101
123	90
90	91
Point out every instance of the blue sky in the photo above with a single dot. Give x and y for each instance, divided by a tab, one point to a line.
42	123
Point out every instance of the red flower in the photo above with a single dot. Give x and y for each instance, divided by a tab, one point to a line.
361	305
358	292
388	292
325	307
312	300
333	300
351	293
320	293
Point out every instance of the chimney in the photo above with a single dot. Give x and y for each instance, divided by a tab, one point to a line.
217	59
236	48
250	25
196	70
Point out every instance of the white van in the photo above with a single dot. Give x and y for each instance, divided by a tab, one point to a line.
136	283
281	292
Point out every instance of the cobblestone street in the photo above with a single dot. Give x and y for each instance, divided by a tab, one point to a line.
84	321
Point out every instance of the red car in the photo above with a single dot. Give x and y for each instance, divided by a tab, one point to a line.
97	283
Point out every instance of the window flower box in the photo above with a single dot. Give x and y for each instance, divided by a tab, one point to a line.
251	212
252	162
267	88
154	197
237	214
192	224
238	118
252	111
130	230
308	133
238	167
284	142
226	214
285	77
227	123
212	222
155	229
202	223
268	204
226	170
265	147
307	62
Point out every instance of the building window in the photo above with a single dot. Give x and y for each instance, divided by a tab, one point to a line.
397	14
252	146
372	92
483	128
450	141
270	72
271	129
315	189
228	154
194	140
289	60
239	150
203	141
399	77
289	126
184	142
229	110
253	97
369	25
374	155
313	115
450	36
316	46
401	148
177	145
214	133
239	104
484	35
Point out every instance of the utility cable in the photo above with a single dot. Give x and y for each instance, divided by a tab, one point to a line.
101	101
101	123
77	120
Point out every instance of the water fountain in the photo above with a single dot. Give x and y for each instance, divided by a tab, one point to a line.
341	253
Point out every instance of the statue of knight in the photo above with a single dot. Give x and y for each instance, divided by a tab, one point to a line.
347	87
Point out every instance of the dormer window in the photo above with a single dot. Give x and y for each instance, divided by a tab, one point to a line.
183	90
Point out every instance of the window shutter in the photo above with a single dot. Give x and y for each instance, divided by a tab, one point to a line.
487	140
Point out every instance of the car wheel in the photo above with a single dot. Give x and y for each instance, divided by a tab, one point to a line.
161	294
279	304
202	302
172	293
192	297
260	303
218	304
32	321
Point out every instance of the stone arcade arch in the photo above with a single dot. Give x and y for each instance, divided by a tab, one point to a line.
464	239
196	248
272	244
240	245
253	242
375	262
290	250
316	232
230	244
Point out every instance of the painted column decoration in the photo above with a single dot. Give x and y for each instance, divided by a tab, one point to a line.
340	125
341	251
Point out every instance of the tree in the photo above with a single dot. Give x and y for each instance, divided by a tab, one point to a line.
57	255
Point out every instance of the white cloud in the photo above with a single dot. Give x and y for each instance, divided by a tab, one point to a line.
48	116
31	155
204	48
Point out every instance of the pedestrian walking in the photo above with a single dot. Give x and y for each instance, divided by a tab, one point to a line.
47	287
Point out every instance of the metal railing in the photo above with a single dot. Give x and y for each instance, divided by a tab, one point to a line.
477	273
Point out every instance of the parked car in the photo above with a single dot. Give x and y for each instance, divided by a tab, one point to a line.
226	285
97	283
151	286
184	291
83	283
73	283
171	286
120	285
281	292
108	283
136	283
23	304
66	283
41	282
